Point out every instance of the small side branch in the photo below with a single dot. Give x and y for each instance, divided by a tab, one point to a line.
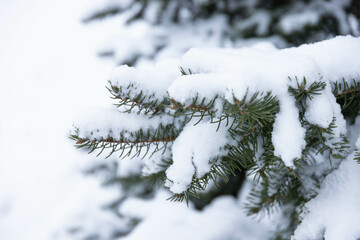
111	140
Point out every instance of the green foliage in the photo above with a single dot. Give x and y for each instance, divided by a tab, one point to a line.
357	155
347	93
303	91
135	99
127	142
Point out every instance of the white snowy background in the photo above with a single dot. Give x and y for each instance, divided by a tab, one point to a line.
48	72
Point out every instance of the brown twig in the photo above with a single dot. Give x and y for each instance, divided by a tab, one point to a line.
111	140
250	132
347	92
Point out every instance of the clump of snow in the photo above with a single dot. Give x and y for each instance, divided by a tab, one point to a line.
205	85
318	111
333	213
288	135
323	108
229	73
194	152
102	123
309	60
150	82
344	65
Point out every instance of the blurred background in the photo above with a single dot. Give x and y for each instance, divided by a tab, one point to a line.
55	57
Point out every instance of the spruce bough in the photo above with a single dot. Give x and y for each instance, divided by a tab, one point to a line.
247	113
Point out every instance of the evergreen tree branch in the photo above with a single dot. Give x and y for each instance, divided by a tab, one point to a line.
302	90
111	140
160	137
137	100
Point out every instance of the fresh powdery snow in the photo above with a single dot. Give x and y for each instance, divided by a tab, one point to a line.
233	73
230	74
40	190
334	212
111	122
193	151
152	82
319	111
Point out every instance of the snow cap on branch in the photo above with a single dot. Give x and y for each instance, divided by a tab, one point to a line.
194	152
232	73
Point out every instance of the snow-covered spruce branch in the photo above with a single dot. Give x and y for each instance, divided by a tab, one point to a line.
139	102
143	91
124	147
115	135
239	158
344	88
251	109
244	120
276	115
